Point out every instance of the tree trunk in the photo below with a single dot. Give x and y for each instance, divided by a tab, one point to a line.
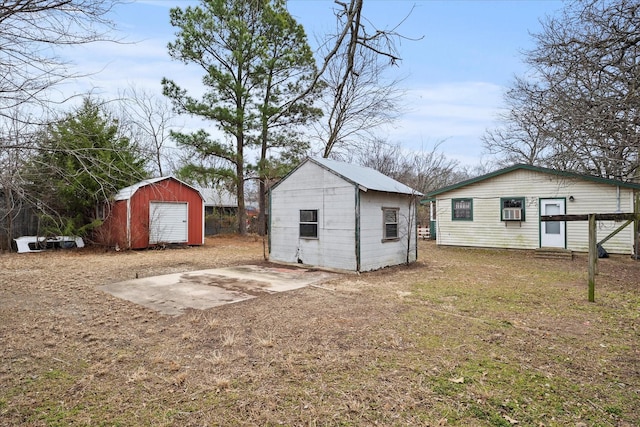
262	201
242	212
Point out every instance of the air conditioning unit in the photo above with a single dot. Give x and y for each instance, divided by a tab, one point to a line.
512	214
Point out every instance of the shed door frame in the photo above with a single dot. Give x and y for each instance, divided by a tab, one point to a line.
553	233
168	222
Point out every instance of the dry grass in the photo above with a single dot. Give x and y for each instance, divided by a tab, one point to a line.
463	337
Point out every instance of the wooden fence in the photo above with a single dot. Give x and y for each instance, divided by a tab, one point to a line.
424	233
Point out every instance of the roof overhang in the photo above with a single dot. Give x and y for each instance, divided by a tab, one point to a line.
564	174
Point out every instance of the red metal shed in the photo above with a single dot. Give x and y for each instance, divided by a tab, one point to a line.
154	212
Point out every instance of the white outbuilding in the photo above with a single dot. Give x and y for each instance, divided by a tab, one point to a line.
338	215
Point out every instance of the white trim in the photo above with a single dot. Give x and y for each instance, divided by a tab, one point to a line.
554	240
129	223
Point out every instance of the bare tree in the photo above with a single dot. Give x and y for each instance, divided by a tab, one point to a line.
355	104
585	92
423	170
29	33
15	150
148	121
359	99
384	157
520	139
355	48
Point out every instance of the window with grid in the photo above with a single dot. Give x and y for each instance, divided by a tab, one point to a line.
309	223
390	216
462	209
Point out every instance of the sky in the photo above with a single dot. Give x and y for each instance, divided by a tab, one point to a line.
458	58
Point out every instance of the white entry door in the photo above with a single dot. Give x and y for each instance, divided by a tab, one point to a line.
168	222
552	233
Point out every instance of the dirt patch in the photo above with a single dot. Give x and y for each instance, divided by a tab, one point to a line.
463	337
250	287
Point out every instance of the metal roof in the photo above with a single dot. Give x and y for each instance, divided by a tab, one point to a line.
218	197
127	192
565	174
366	178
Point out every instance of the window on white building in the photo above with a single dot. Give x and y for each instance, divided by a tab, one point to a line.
390	218
309	223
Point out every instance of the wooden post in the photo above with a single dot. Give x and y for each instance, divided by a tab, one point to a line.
593	237
593	257
617	230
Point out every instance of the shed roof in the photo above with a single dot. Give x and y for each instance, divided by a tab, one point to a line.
128	192
366	178
219	197
565	174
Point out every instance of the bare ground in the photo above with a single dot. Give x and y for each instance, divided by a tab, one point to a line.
463	337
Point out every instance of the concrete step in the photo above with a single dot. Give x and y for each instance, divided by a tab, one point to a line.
553	253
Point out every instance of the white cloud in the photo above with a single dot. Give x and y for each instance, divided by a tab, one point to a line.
111	67
457	113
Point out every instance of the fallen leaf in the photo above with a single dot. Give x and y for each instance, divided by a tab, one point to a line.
511	420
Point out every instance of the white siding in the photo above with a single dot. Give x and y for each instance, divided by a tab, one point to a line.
376	253
313	187
487	230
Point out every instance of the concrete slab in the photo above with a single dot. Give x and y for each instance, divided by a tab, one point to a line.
172	293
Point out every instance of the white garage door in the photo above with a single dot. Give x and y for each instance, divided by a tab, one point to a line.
168	222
